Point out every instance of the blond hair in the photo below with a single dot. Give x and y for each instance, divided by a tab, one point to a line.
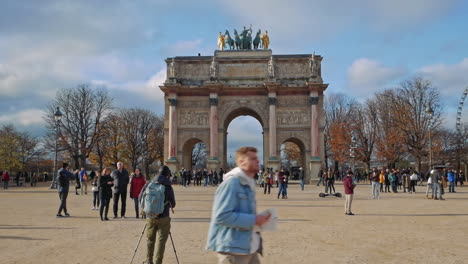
104	171
242	151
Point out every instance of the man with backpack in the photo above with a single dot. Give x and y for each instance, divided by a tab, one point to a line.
156	198
63	180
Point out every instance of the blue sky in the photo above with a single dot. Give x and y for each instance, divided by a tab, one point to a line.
367	46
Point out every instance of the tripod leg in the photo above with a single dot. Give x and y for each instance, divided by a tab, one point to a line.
138	244
170	235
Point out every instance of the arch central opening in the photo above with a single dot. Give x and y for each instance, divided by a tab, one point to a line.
244	128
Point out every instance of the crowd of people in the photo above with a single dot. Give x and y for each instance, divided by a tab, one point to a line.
234	209
21	177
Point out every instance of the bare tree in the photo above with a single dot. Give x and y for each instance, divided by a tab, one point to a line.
338	110
83	109
154	147
412	100
27	148
390	140
365	127
142	135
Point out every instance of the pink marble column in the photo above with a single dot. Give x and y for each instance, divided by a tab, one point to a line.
314	127
213	126
172	127
272	125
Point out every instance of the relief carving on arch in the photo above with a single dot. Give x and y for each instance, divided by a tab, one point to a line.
193	118
193	104
292	101
292	117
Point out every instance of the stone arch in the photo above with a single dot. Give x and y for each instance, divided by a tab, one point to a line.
300	143
229	115
233	109
187	150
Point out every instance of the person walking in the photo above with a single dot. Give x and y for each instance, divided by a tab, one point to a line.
330	182
429	186
382	180
77	181
221	175
282	184
161	224
105	193
320	175
301	178
233	231
451	179
267	181
121	180
84	181
63	180
413	181
95	189
136	184
387	180
5	179
436	180
348	185
374	177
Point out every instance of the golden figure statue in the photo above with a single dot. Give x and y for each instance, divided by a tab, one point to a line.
265	40
221	41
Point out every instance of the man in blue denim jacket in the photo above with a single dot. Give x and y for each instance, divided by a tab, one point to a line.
234	223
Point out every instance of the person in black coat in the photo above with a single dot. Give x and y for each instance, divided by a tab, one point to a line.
121	180
105	192
63	180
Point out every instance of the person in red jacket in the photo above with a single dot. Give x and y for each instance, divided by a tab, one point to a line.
5	179
136	184
349	191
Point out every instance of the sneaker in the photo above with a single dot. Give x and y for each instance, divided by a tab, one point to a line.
115	217
123	217
105	218
67	214
350	213
59	215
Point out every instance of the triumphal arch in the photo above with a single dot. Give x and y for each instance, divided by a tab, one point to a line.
203	94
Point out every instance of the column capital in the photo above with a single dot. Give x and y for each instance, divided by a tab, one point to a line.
172	101
313	100
213	101
272	100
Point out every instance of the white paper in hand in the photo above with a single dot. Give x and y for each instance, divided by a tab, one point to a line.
270	225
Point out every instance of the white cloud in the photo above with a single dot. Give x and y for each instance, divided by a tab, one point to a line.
149	89
450	79
367	76
25	118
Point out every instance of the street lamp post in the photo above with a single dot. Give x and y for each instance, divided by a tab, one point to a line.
430	112
57	118
352	150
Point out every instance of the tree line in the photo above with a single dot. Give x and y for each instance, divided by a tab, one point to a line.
94	134
392	126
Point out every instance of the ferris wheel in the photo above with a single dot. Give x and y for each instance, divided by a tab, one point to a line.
459	125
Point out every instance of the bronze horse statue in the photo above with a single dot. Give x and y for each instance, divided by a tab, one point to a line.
256	41
229	40
237	40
